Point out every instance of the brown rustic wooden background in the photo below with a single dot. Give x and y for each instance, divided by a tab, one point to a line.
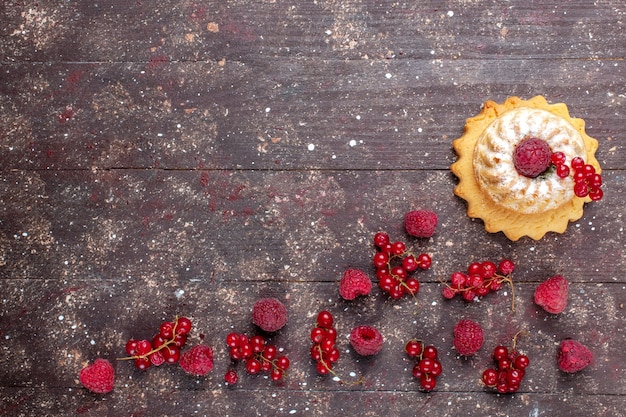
189	156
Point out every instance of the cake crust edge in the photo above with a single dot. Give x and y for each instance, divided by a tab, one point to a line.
495	217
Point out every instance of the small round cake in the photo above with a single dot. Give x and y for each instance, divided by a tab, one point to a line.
507	171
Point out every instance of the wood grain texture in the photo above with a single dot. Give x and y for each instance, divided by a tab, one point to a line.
187	157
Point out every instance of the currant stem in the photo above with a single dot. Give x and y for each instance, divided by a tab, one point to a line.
164	345
515	336
335	374
260	356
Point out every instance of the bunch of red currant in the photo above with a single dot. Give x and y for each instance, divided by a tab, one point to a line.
510	368
428	367
481	279
259	356
587	181
394	264
165	346
324	351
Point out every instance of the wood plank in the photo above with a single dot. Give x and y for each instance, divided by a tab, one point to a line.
174	30
278	225
290	113
244	403
188	157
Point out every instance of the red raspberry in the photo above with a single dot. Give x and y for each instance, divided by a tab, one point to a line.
468	337
269	314
573	356
551	294
531	157
198	360
354	283
98	377
366	340
420	223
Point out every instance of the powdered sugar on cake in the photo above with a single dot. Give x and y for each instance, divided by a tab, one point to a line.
495	170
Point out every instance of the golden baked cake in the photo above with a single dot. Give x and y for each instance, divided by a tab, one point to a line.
525	167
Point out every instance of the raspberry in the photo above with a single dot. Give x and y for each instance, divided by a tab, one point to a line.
354	283
531	157
420	223
269	314
366	340
198	360
573	356
551	294
468	337
98	377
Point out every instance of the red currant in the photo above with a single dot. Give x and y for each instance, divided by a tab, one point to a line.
131	347
436	368
231	377
410	263
448	293
412	285
142	363
331	333
325	319
577	163
183	326
562	171
557	158
580	189
428	382
276	374
317	334
258	343
398	248
333	355
381	259
381	239
413	348
282	362
430	352
166	330
270	352
232	339
180	340
143	347
500	352
253	366
171	354
322	368
506	267
158	341
490	377
521	362
424	260
596	194
157	358
488	269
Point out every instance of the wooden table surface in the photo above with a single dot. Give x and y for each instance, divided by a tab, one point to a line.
187	157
